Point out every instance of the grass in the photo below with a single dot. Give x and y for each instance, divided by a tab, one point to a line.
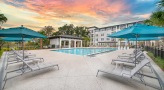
1	52
157	60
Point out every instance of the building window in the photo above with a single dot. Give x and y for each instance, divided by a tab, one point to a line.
113	39
108	28
97	39
102	39
122	26
113	32
118	27
107	38
102	34
97	30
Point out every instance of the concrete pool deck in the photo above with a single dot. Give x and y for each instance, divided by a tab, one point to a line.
75	73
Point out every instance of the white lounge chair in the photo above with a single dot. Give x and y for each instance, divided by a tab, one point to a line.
26	55
12	58
125	55
28	67
135	72
129	60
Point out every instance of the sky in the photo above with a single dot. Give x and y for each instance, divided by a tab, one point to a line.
36	14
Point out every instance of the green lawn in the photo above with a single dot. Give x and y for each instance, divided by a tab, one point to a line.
1	53
157	60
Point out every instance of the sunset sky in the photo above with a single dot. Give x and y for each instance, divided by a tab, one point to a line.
36	14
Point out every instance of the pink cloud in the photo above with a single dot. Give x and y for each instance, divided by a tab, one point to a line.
69	8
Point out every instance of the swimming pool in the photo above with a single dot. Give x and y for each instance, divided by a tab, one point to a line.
85	51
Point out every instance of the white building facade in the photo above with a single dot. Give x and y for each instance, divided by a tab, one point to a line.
99	37
65	41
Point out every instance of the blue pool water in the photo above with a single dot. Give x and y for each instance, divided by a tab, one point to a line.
85	51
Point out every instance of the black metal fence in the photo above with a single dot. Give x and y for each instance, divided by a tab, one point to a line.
158	52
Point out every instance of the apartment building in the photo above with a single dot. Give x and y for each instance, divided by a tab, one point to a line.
98	36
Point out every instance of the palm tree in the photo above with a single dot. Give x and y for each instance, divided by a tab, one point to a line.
148	22
86	41
157	18
161	4
3	19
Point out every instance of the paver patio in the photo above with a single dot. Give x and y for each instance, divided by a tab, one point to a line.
75	73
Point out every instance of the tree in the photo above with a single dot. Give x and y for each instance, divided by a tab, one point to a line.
3	19
48	30
148	22
66	30
1	43
157	18
44	41
161	4
79	31
86	41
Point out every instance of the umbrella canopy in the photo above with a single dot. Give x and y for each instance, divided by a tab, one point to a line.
20	32
10	39
139	30
144	39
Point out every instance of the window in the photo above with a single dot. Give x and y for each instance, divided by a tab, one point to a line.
122	26
97	30
113	39
102	39
102	34
113	32
113	28
118	27
107	38
108	28
97	39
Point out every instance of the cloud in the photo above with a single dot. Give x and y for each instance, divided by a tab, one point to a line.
67	8
79	12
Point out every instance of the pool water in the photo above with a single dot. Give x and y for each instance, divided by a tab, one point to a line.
85	51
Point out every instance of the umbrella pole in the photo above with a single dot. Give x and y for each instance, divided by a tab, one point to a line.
23	47
17	45
136	51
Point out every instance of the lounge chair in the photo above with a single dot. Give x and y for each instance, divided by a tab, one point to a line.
135	72
129	59
12	58
124	55
28	67
26	55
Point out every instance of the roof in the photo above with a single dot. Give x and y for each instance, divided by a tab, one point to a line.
93	27
108	42
122	24
65	36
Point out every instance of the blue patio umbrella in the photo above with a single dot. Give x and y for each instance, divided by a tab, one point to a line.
20	32
139	31
13	39
144	39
